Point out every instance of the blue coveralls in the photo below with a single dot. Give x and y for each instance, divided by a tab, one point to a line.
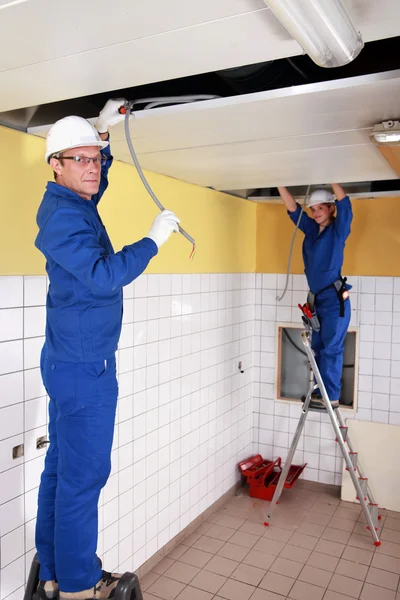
84	315
323	260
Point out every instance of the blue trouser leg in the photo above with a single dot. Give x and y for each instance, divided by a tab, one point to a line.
83	400
328	343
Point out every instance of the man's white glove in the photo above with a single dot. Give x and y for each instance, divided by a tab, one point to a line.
110	115
163	225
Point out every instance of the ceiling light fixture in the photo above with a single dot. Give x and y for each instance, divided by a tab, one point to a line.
323	28
387	133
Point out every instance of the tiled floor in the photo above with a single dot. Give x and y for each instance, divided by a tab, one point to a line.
316	549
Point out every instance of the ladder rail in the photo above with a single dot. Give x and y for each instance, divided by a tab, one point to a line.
331	412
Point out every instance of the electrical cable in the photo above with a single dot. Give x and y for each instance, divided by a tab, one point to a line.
152	103
279	298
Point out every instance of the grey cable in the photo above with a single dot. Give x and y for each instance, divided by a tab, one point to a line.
146	184
279	298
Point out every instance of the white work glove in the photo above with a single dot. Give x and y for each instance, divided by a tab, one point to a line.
163	225
110	115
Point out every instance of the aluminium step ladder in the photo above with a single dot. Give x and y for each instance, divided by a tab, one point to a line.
360	482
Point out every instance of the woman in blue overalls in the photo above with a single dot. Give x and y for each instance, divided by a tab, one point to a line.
323	248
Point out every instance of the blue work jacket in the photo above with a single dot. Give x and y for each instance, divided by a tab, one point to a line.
323	252
84	300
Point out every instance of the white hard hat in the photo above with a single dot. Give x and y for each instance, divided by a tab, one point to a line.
320	197
71	132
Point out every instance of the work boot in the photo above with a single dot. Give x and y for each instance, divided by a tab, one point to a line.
103	590
46	590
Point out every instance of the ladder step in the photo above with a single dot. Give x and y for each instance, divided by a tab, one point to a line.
354	460
364	487
343	431
373	511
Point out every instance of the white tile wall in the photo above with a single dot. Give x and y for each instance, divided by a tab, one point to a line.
376	311
184	419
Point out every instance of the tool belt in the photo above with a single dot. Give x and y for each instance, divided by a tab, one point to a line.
308	309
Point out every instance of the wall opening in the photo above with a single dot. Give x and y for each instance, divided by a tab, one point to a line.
293	369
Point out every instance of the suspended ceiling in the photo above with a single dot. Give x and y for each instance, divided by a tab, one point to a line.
292	136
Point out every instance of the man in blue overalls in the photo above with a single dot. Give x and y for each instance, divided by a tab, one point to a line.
84	316
323	249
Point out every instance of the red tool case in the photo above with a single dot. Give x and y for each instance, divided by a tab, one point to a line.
263	475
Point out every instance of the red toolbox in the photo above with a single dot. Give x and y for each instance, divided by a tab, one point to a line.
263	475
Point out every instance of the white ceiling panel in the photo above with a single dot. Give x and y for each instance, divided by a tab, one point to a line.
54	52
293	136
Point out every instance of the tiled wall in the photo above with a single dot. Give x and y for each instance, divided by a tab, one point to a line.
376	312
184	417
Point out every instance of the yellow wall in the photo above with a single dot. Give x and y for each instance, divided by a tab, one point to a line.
232	235
223	226
373	247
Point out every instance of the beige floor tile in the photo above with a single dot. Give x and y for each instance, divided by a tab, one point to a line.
253	528
147	596
303	541
315	576
248	574
363	557
361	529
372	592
208	544
331	548
233	552
345	585
232	522
280	584
382	578
165	588
181	572
177	552
342	524
387	563
191	593
352	569
361	541
306	591
264	595
317	518
247	540
311	529
278	534
220	532
259	559
209	582
323	561
269	546
148	580
196	558
236	590
221	566
295	553
204	527
389	549
191	539
163	565
324	508
290	568
336	535
346	513
390	535
393	523
330	595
